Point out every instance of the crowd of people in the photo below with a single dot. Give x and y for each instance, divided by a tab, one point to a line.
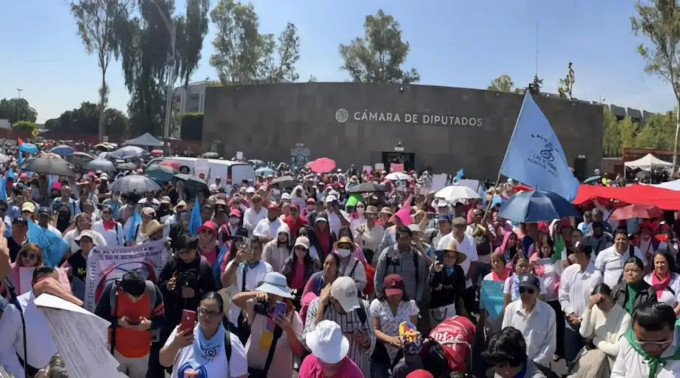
322	281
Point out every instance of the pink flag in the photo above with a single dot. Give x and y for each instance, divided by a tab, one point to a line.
404	213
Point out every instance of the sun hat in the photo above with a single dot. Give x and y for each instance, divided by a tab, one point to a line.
250	190
273	206
386	210
235	213
327	342
181	205
393	285
28	206
148	211
85	233
275	283
303	241
460	256
343	240
344	290
44	210
152	227
371	210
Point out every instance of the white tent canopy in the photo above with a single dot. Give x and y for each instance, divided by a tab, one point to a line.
647	163
144	140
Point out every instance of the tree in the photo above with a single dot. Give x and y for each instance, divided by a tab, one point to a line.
97	22
378	57
502	83
659	22
243	55
17	109
612	136
144	44
567	84
26	126
85	120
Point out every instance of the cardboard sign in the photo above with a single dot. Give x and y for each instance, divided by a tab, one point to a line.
396	167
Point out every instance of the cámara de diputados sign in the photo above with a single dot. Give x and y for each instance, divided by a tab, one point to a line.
343	115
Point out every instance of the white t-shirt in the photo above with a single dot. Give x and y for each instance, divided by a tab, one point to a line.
218	366
467	246
609	263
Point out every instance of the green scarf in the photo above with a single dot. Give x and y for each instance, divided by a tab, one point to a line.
653	362
632	293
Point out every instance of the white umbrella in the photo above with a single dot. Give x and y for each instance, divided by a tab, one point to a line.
397	176
455	192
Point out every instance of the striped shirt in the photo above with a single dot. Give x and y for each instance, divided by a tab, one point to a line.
402	263
351	325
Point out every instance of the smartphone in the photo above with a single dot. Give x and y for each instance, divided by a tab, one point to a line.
133	321
280	309
188	320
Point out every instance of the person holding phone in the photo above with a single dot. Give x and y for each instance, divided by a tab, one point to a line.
447	282
275	328
202	351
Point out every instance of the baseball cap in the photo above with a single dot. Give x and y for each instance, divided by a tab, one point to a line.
531	281
250	190
393	285
344	290
285	196
303	241
20	220
28	206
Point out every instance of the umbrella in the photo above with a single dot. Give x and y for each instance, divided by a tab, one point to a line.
128	152
256	162
100	165
104	146
397	176
265	172
160	173
285	181
28	147
4	158
593	180
126	166
134	184
636	211
537	206
48	166
79	159
62	150
322	165
193	184
367	187
210	155
456	192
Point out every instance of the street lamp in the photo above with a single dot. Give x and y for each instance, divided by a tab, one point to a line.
18	104
172	76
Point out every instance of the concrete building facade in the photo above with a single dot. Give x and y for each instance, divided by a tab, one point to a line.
440	128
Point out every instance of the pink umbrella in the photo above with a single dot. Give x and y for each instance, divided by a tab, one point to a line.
322	165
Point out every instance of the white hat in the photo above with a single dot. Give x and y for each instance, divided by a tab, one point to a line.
275	283
327	342
250	190
344	290
213	187
104	176
303	241
331	198
285	196
442	203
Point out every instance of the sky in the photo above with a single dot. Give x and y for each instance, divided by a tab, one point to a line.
458	43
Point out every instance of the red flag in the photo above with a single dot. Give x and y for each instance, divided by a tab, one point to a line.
20	142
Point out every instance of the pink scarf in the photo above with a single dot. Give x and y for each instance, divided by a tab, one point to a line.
502	277
660	284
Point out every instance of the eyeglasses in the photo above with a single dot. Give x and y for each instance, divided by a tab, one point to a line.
208	313
527	290
31	256
653	343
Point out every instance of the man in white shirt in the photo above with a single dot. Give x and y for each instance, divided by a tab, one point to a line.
269	226
244	273
254	214
576	285
369	235
609	262
39	343
535	319
649	348
10	338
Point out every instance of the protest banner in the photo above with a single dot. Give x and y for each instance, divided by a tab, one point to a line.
105	264
396	167
80	337
492	298
379	166
367	169
438	182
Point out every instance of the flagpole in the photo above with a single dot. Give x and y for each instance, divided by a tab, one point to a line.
507	148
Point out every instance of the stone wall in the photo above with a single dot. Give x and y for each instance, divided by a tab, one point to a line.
446	128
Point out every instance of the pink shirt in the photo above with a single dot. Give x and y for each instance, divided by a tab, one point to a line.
311	368
298	281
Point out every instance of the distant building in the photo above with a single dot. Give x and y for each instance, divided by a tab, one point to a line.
191	99
4	124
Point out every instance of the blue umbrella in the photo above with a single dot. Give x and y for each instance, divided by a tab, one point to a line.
537	206
62	150
100	165
29	148
265	172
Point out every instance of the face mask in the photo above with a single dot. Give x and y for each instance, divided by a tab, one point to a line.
344	252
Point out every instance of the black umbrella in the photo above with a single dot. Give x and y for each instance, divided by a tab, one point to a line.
49	166
193	184
134	184
285	181
367	187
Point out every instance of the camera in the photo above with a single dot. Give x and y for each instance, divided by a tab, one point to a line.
261	307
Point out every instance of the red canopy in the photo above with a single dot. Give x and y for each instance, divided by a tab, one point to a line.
636	194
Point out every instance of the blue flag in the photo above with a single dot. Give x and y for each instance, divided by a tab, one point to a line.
3	189
10	174
459	175
52	245
195	221
217	268
491	298
535	156
132	232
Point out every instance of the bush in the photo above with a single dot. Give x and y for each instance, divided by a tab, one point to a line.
25	126
192	126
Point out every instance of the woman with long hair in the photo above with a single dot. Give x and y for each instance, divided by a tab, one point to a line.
299	267
204	348
665	282
30	256
319	280
324	234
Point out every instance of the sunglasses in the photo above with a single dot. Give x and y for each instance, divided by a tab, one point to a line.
527	290
31	256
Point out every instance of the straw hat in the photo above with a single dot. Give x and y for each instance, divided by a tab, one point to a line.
152	227
460	256
343	240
